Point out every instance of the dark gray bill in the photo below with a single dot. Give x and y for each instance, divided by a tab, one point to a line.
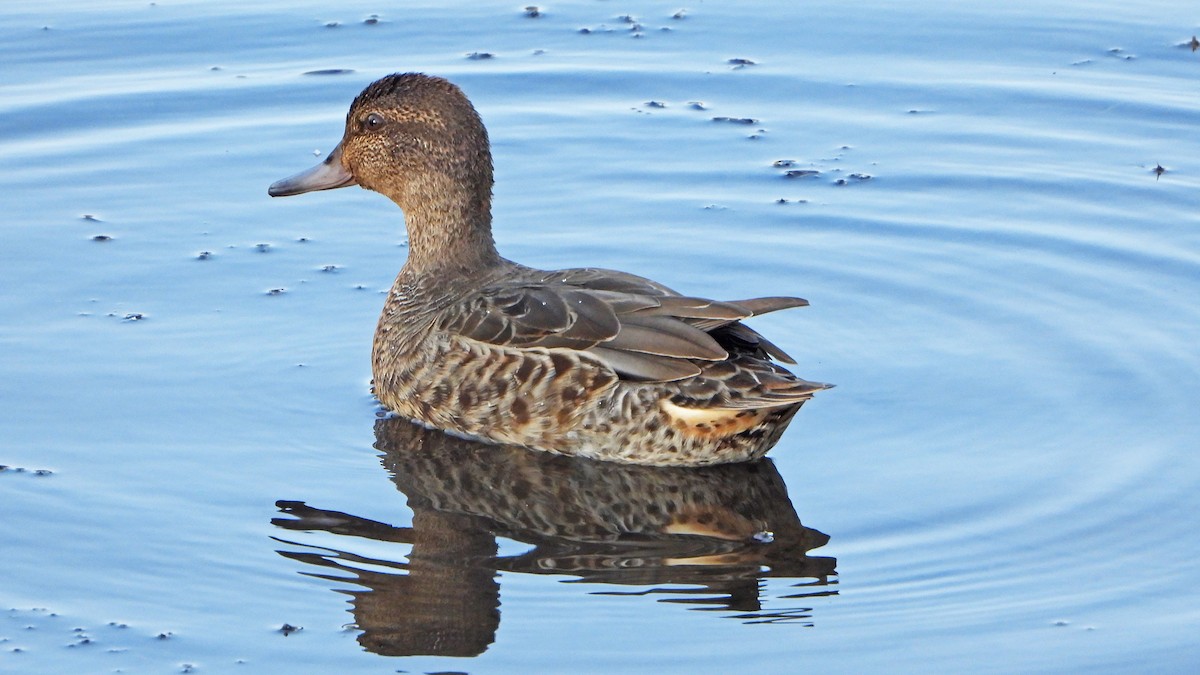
327	175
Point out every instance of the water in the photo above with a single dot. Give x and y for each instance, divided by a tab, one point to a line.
1004	479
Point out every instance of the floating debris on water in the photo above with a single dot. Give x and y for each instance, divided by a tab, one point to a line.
1158	170
288	629
741	63
330	71
801	173
262	248
102	237
204	255
854	177
4	468
481	56
736	120
655	104
371	20
90	218
533	11
134	316
277	291
681	14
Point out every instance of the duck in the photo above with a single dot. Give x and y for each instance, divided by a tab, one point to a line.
586	362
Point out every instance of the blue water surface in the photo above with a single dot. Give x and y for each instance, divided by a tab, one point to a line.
1000	243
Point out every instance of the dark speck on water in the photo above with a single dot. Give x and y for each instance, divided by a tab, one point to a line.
288	629
480	56
736	120
90	218
371	20
34	472
134	316
102	237
655	104
277	291
533	12
330	71
262	248
852	178
204	255
784	163
801	173
741	63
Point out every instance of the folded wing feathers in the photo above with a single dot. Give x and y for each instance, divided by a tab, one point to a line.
760	306
695	308
751	339
645	367
665	336
635	326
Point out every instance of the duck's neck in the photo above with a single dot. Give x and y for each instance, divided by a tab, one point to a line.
449	229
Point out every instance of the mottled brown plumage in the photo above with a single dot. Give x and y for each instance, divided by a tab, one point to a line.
588	362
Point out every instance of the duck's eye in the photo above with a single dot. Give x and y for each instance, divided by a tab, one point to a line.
373	121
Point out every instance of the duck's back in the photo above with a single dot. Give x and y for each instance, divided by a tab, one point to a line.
586	362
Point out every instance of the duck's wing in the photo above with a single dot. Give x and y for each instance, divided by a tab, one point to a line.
643	330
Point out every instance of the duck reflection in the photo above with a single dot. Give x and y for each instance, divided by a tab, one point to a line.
706	537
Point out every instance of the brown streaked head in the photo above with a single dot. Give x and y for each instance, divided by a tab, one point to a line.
407	135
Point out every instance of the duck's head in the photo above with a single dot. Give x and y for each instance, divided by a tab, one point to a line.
412	137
